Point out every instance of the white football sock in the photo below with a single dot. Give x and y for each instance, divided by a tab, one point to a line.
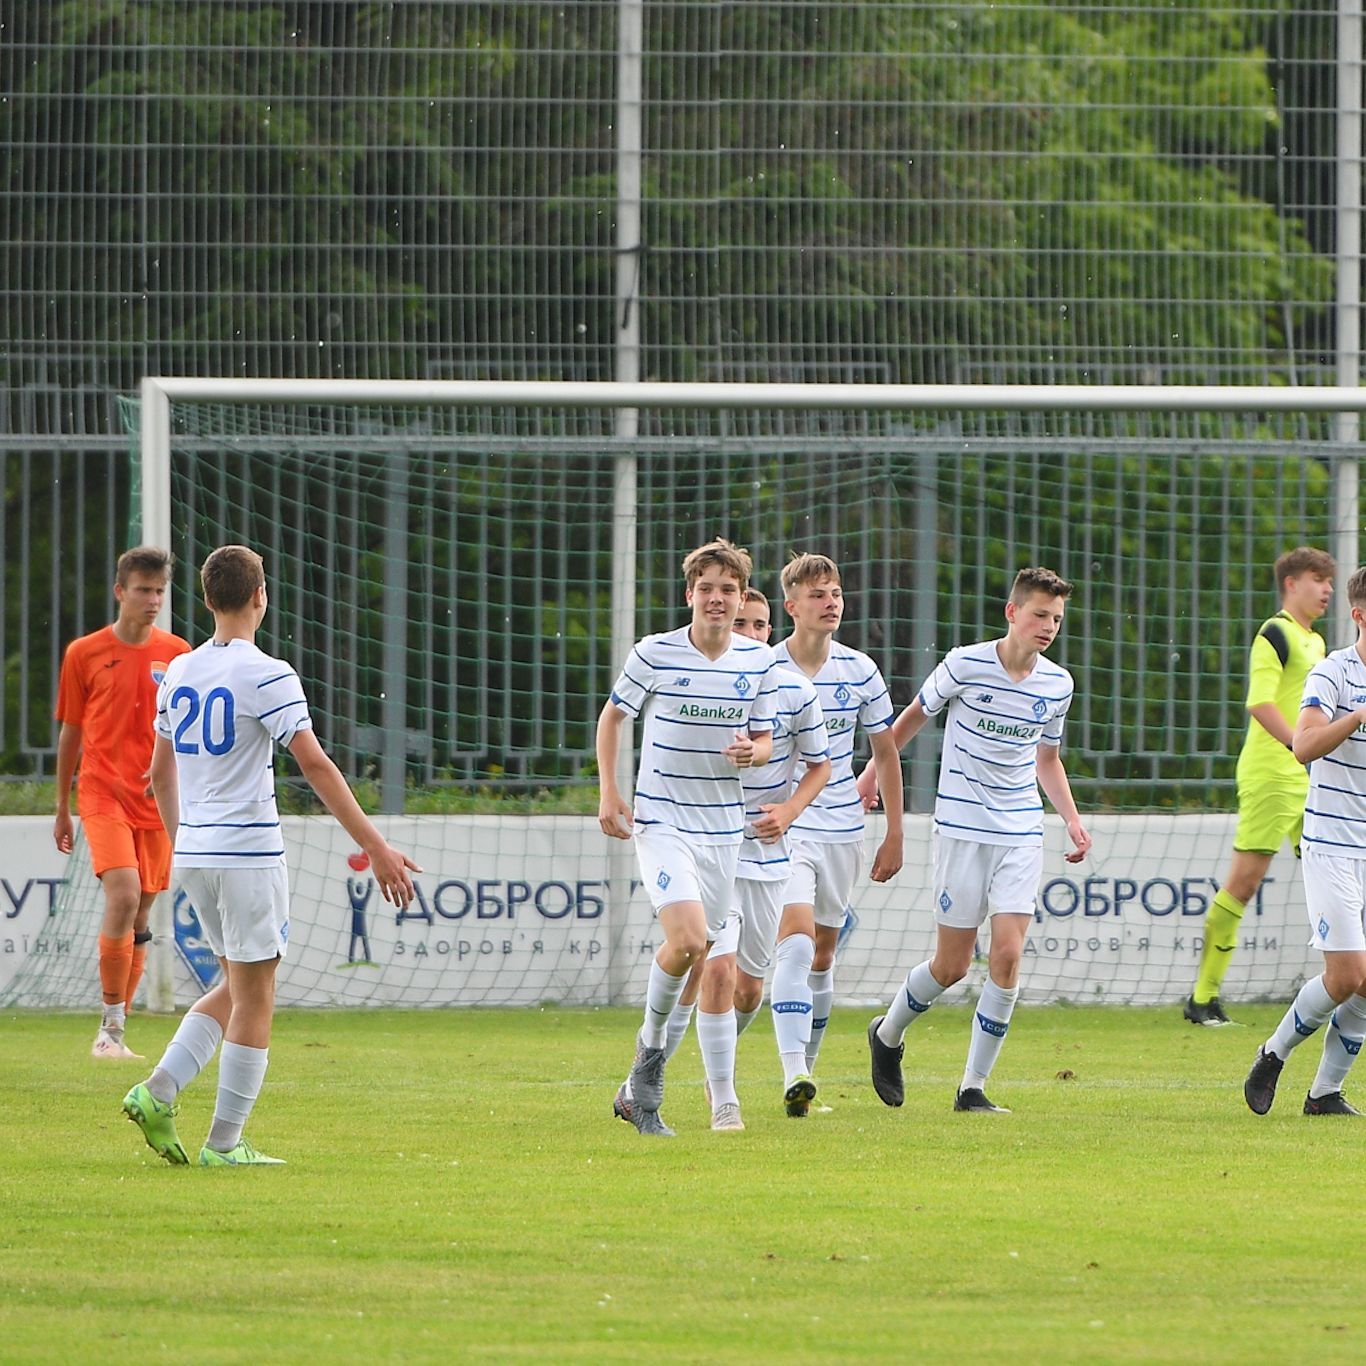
1307	1012
680	1017
661	996
115	1016
919	992
790	1001
990	1021
716	1038
822	998
1341	1044
190	1051
241	1070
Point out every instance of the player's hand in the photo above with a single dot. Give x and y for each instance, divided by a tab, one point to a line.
64	832
773	824
741	751
866	787
1081	839
147	783
887	864
614	816
390	869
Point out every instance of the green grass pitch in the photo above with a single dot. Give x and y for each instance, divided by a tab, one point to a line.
458	1191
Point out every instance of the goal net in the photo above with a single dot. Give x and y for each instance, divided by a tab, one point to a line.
442	573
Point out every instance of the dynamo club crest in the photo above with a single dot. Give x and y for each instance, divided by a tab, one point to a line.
190	943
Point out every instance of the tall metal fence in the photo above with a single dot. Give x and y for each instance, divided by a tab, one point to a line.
862	192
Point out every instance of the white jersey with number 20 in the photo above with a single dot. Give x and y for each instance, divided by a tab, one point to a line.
224	708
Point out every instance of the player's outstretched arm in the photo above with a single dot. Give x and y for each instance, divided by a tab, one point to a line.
614	816
389	866
166	785
886	767
778	817
68	752
905	728
1053	780
1316	735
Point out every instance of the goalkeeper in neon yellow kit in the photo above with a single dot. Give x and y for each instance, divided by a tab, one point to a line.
1272	784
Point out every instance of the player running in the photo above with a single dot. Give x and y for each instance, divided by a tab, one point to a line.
221	712
827	838
707	696
1330	736
106	702
1006	707
1272	783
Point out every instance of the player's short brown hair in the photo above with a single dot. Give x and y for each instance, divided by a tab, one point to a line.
754	595
1304	559
230	577
718	554
1038	580
151	560
1356	588
806	568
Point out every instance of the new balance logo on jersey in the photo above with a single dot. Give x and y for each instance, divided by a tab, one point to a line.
683	682
984	697
720	713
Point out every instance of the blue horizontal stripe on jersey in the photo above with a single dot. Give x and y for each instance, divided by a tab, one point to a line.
990	830
684	749
288	673
708	725
297	702
688	830
231	853
626	673
806	730
1005	687
759	788
701	696
995	763
995	787
1346	791
819	805
880	724
229	825
1000	810
1340	763
619	701
835	782
690	777
766	863
1335	815
753	671
697	806
828	830
1337	844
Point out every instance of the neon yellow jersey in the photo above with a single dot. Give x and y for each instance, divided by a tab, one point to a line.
1282	655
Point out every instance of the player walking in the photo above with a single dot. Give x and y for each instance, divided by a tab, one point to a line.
707	696
106	702
221	712
827	838
1006	707
1330	736
1272	783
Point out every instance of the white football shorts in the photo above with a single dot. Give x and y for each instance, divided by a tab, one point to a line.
244	912
823	876
973	881
1335	897
751	930
673	870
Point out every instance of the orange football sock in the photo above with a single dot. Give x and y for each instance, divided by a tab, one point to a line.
135	966
116	961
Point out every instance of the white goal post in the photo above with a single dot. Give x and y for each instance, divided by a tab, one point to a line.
158	394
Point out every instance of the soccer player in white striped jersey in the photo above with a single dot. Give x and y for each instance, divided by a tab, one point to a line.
707	697
1006	708
221	711
1330	736
827	839
730	980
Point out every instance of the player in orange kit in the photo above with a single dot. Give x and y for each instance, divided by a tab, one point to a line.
106	702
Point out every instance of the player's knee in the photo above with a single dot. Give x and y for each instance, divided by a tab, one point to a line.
691	946
949	970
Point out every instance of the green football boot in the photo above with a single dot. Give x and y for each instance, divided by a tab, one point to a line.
797	1098
243	1155
156	1119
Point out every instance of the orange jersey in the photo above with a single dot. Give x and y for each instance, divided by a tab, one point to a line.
109	690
